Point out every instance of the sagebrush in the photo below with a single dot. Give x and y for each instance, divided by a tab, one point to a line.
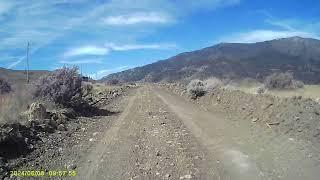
196	88
62	87
5	87
212	83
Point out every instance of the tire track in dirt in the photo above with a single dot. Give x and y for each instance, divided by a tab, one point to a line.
90	170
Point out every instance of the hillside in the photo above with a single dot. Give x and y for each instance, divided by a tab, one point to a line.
19	76
235	60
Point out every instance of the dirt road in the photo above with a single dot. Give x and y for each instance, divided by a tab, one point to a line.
162	136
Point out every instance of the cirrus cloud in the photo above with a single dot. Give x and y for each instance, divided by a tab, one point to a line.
86	50
128	47
136	18
82	61
93	50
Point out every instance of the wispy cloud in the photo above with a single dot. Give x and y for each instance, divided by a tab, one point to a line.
83	61
136	18
128	47
14	64
86	50
105	72
44	23
280	28
94	50
6	6
281	23
206	4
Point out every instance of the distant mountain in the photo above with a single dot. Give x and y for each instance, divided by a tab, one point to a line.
235	61
19	76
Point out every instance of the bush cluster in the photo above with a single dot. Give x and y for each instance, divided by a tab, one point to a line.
5	87
62	87
282	81
212	83
197	88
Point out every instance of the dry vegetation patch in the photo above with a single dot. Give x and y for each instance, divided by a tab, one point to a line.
282	81
5	87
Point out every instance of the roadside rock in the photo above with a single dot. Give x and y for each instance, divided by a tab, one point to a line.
37	111
61	127
71	166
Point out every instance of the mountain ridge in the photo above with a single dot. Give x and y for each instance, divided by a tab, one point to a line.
234	60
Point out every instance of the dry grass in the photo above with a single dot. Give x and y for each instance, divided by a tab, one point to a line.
11	105
308	91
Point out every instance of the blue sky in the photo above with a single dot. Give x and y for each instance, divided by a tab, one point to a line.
106	36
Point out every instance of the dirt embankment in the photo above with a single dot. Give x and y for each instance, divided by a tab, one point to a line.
297	117
45	139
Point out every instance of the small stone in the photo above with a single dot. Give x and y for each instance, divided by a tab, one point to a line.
254	119
71	166
61	127
158	153
94	134
37	111
91	139
188	176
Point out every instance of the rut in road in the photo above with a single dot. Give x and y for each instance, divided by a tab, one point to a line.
95	156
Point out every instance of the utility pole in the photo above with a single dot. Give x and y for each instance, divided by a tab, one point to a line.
28	63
